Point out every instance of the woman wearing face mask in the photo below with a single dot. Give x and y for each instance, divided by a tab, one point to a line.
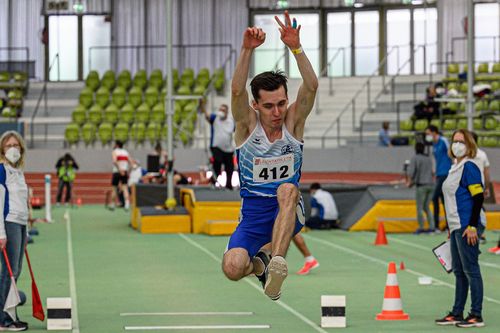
14	205
463	197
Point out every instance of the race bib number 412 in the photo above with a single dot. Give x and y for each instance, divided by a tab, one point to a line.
271	169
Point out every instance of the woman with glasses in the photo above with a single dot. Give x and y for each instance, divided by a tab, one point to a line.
13	221
463	198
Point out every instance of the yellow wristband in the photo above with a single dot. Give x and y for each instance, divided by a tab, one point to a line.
297	51
471	227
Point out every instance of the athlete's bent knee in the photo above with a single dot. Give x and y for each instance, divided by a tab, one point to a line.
233	269
288	193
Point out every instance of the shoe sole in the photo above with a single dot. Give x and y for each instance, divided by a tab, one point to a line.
448	323
470	325
277	273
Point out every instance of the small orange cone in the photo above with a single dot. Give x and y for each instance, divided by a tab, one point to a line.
402	266
381	238
392	308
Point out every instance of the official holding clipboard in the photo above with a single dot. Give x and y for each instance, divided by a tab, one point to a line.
463	200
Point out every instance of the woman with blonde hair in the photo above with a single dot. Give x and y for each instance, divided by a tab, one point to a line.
463	198
13	221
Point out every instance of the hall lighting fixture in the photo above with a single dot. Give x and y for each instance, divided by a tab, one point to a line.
417	2
358	4
78	7
282	4
348	3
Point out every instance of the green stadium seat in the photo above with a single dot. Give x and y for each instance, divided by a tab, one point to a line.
108	80
496	68
199	89
481	105
483	68
140	79
105	133
153	132
490	123
494	105
462	123
452	69
86	97
138	132
156	79
463	87
124	79
95	114
127	113
436	122
406	125
184	90
477	124
102	97
158	114
421	124
489	141
187	78
9	112
495	86
89	133
72	133
121	132
119	96
151	95
4	77
142	113
111	114
92	80
79	115
135	96
449	124
465	68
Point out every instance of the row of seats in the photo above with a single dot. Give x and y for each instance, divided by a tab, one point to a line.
463	86
14	80
450	123
485	139
12	106
483	68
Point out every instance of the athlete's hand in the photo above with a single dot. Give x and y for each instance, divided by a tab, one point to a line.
253	38
289	35
3	243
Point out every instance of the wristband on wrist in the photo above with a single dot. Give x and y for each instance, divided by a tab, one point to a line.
471	227
297	51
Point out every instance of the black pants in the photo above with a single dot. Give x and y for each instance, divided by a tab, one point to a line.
221	157
60	188
315	222
438	194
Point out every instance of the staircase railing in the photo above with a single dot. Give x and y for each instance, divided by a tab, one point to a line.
43	94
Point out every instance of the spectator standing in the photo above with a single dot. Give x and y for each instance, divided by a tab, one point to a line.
440	147
66	168
463	195
324	213
221	141
119	180
384	139
14	220
420	175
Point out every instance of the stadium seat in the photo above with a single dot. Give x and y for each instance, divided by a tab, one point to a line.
483	68
153	132
86	97
79	115
421	124
489	141
490	123
406	125
119	96
105	132
462	123
463	87
92	81
187	77
124	79
495	86
72	133
111	114
481	105
121	132
199	89
156	79
452	69
102	97
465	68
142	113
436	122
108	80
127	113
95	114
140	79
151	95
494	105
4	77
138	132
449	124
184	90
477	124
9	112
135	96
89	133
158	114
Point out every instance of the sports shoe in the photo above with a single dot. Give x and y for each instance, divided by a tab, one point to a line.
264	256
450	319
16	326
276	272
308	266
471	321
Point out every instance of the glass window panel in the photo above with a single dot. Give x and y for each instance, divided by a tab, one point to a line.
63	41
366	42
487	31
96	32
269	54
425	33
309	33
339	41
398	41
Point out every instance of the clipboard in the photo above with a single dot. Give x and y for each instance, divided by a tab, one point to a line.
443	255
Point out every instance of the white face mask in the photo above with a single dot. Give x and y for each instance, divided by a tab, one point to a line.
429	138
220	114
13	155
458	149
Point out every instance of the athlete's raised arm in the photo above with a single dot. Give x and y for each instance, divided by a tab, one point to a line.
300	109
242	113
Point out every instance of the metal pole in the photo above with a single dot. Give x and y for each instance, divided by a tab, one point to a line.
470	63
169	107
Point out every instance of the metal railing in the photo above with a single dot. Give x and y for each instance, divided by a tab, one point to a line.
43	94
455	39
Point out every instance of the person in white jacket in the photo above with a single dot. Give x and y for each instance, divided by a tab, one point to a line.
13	221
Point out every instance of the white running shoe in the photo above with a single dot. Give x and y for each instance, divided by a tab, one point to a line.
277	271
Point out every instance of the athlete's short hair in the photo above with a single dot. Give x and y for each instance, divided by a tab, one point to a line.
268	81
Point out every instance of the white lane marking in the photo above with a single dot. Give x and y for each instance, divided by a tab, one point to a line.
385	263
258	287
130	314
193	327
72	280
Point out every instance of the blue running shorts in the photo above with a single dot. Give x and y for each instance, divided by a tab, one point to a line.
257	218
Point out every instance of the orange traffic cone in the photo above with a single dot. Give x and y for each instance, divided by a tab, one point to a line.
392	308
402	266
381	238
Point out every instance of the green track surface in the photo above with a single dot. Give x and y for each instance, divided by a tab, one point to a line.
119	270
